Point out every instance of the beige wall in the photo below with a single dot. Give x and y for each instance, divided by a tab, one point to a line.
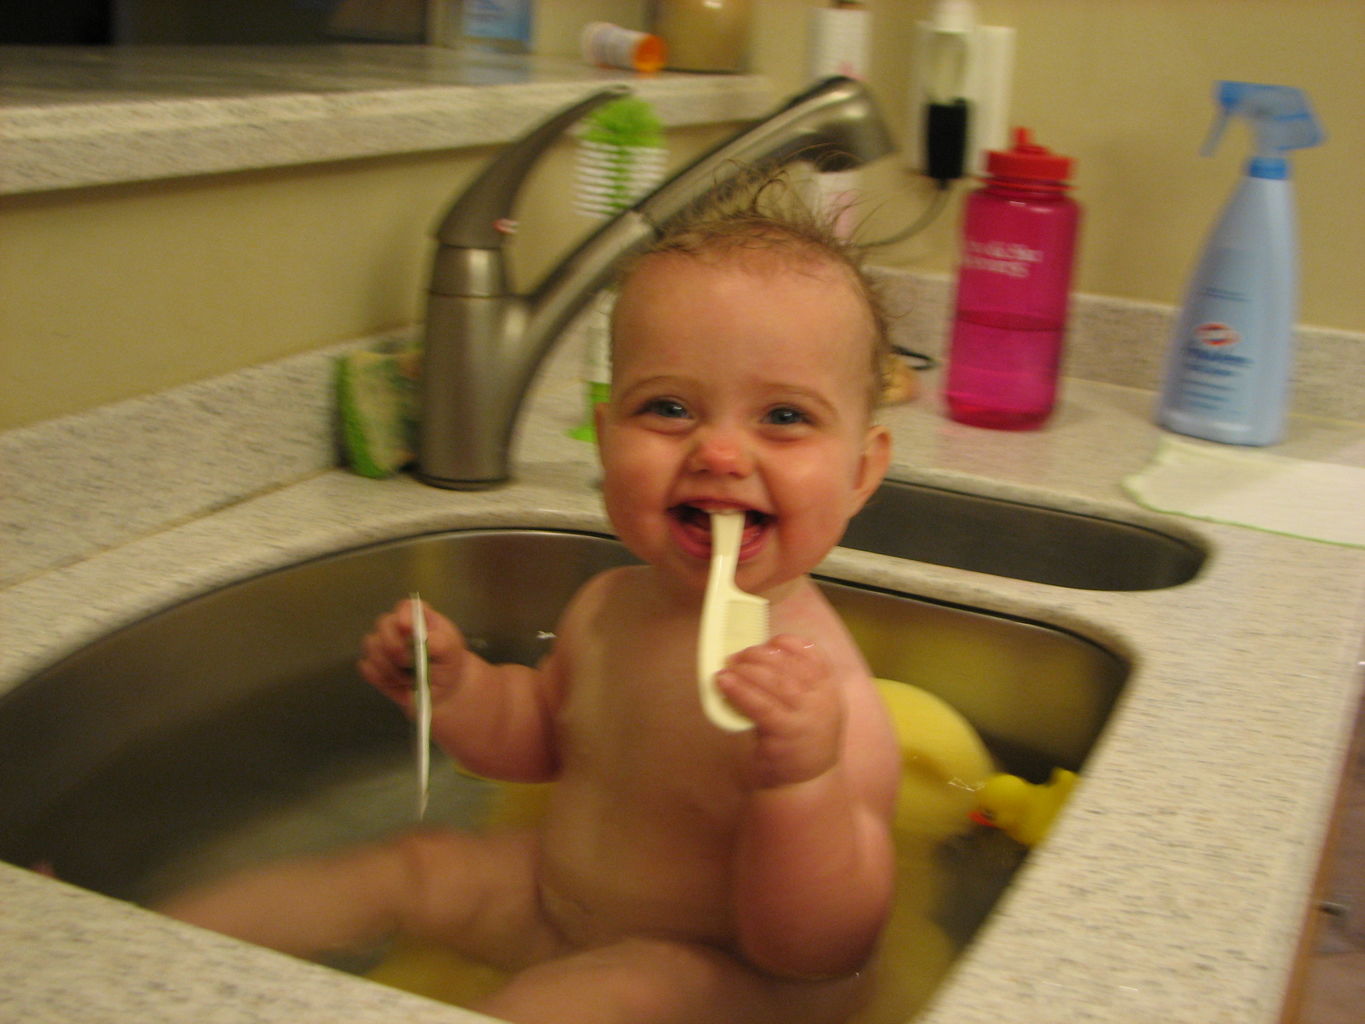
1125	86
112	292
108	293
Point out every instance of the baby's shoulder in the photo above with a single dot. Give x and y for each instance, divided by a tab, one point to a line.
612	582
609	588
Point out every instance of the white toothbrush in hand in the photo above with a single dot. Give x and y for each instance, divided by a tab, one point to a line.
421	705
731	620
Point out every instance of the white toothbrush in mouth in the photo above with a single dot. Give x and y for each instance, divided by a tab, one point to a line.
421	706
731	620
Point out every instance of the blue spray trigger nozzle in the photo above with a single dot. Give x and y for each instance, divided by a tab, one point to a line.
1280	117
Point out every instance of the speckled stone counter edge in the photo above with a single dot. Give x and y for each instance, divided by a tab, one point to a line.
72	118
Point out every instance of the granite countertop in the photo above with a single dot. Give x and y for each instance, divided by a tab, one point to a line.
1174	888
78	116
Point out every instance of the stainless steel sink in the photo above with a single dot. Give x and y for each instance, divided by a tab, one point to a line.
232	729
1026	542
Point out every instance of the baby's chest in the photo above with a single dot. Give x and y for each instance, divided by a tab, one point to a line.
633	714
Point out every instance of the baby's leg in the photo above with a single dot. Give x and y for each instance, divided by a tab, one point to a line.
662	981
476	893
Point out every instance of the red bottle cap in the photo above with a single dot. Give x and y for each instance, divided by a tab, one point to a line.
1029	163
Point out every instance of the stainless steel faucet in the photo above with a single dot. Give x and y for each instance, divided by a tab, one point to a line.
484	341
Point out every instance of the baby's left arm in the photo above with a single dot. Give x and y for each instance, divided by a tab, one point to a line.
815	863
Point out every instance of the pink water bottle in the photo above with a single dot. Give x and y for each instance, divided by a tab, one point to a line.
1013	286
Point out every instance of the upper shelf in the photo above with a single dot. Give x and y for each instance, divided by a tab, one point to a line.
78	116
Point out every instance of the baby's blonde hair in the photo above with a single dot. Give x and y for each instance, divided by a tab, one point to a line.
762	211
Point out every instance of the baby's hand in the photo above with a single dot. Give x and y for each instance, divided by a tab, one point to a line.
387	654
786	688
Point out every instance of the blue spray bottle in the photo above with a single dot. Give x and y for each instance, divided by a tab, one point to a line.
1228	366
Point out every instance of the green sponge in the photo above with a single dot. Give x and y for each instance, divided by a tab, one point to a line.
377	401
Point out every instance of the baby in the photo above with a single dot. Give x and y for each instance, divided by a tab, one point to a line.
681	873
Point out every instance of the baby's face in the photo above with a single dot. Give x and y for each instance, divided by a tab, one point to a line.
739	385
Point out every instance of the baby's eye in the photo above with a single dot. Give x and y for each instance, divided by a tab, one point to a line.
668	408
785	416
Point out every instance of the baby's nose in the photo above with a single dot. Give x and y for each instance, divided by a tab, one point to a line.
723	452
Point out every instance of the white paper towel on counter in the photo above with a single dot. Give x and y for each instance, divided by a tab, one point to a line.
1315	500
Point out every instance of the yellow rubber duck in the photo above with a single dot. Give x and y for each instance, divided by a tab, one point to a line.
1023	810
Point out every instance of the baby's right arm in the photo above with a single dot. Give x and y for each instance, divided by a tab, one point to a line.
494	719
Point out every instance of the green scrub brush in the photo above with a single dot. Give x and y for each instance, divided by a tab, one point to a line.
377	403
621	157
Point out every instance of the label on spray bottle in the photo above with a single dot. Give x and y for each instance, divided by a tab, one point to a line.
1214	361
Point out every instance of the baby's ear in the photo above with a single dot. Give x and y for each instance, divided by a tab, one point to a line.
872	467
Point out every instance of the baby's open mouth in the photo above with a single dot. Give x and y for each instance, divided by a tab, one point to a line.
697	522
700	518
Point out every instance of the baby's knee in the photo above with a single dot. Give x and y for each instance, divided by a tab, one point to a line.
632	981
646	976
422	850
425	860
476	892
